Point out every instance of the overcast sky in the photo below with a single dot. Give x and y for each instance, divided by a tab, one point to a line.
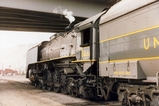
13	38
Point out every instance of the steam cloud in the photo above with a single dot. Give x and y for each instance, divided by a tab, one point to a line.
58	10
69	15
66	13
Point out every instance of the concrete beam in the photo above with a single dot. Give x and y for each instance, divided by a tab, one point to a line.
82	8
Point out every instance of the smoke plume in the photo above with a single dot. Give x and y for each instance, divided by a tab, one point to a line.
69	15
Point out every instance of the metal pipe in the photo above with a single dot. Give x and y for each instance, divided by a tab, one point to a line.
157	80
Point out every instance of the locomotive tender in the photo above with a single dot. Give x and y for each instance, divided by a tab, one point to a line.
112	55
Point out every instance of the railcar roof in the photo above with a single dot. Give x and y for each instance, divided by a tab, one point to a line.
123	7
89	20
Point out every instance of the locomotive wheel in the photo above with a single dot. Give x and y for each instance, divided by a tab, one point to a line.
72	94
44	86
83	93
148	101
125	102
155	102
105	93
39	85
64	90
56	80
141	103
35	84
31	77
49	88
56	89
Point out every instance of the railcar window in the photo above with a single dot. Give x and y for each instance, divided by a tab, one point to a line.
85	37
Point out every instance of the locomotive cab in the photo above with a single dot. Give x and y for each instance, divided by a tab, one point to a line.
87	33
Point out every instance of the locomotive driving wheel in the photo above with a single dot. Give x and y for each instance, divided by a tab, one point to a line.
125	102
38	85
56	80
44	86
49	88
56	89
31	77
49	85
64	87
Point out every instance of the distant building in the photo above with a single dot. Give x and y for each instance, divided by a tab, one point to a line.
8	72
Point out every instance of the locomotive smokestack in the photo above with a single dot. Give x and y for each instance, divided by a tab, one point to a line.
70	17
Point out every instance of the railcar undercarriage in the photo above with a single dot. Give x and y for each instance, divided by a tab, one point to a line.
65	77
133	94
68	78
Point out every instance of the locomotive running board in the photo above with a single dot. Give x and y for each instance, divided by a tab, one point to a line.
54	59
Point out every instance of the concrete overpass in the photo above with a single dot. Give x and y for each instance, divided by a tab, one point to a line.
46	15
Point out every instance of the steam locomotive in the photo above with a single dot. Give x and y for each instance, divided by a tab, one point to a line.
112	55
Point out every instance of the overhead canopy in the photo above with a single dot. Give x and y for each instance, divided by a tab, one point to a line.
38	16
26	20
